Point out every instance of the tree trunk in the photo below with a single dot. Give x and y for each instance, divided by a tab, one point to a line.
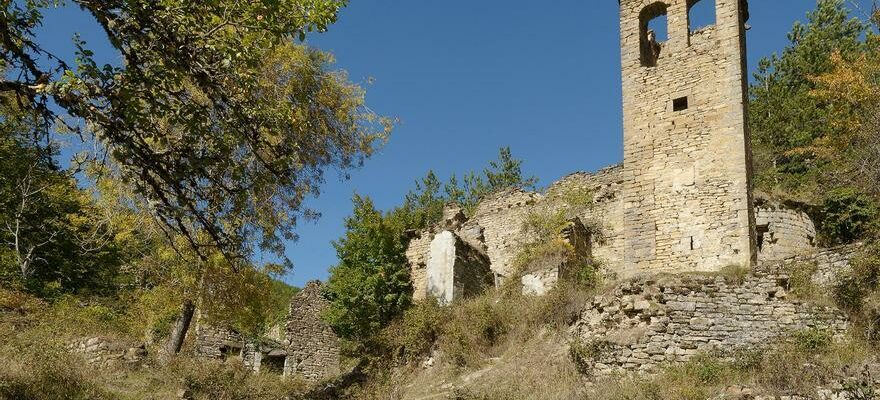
178	333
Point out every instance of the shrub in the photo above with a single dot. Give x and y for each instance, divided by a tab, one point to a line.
706	369
847	215
473	328
585	354
232	381
800	280
812	340
735	273
856	291
415	334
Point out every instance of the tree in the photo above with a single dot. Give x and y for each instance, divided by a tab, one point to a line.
50	233
219	123
371	283
785	118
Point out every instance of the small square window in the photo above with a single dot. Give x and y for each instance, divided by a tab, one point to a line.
680	104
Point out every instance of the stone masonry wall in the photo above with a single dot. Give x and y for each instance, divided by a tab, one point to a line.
829	263
686	153
455	270
497	226
651	321
606	212
103	352
314	348
217	343
501	217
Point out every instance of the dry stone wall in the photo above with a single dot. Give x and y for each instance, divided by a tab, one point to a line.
217	343
313	352
647	322
686	153
496	227
501	219
605	214
103	352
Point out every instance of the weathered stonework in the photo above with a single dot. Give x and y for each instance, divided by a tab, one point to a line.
105	353
455	269
500	218
829	263
313	352
648	322
686	195
217	343
783	232
545	273
497	225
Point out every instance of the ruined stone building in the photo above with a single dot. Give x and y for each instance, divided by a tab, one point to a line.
306	348
680	202
313	348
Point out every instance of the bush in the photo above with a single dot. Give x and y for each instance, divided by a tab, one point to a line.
585	354
473	328
414	335
847	215
800	280
735	273
232	381
856	291
812	340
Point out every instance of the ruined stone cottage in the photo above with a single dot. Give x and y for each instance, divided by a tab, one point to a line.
304	348
313	348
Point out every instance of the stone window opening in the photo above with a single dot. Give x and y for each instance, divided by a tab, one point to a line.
761	230
273	363
680	104
654	32
701	14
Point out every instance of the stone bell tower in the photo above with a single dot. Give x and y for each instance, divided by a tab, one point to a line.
687	161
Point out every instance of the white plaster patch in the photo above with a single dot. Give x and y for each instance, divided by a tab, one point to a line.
440	269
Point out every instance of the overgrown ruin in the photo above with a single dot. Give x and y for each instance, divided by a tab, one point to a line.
667	225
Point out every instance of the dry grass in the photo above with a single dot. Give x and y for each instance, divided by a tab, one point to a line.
37	365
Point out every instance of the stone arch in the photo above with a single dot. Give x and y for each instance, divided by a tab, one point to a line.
649	47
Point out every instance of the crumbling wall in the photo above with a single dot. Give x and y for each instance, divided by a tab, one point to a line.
501	217
783	232
455	269
545	273
605	214
828	263
104	352
313	352
647	322
217	343
417	256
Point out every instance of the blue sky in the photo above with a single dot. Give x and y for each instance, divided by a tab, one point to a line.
466	77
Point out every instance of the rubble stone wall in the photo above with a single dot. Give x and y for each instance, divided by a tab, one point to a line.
216	343
501	218
103	352
647	322
314	348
